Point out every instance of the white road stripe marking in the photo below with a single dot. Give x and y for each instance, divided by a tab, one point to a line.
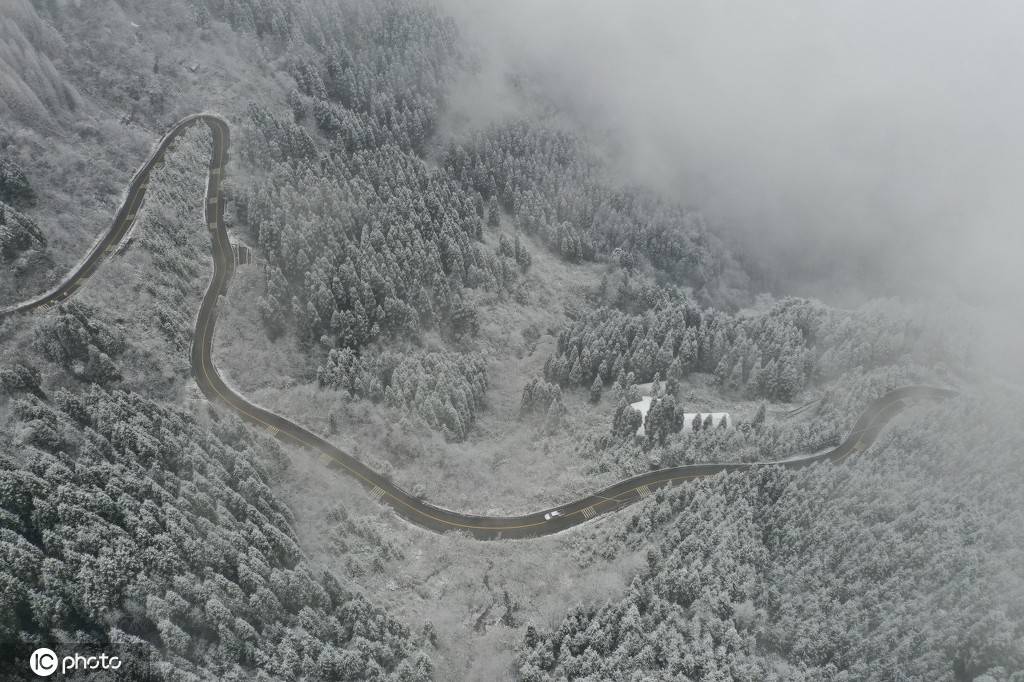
377	492
589	512
643	491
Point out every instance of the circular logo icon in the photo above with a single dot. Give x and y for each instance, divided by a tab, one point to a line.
43	662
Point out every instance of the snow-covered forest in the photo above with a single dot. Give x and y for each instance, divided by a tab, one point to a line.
470	306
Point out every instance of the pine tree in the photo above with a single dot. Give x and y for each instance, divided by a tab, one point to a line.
652	422
576	374
665	358
736	377
493	212
15	188
531	638
505	246
722	371
618	367
529	397
754	378
678	418
759	416
297	105
619	416
633	420
595	389
19	377
586	362
553	420
524	259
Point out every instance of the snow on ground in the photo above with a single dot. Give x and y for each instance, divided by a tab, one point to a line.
644	406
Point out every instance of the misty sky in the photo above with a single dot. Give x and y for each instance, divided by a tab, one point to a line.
872	144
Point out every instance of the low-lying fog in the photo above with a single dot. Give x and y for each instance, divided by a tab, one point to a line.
864	147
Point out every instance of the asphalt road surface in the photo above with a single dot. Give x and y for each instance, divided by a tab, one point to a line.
423	514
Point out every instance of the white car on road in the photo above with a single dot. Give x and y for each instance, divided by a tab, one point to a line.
552	514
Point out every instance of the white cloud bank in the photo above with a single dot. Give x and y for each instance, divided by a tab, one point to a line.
867	143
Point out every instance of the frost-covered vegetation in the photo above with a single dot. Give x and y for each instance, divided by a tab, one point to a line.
754	439
772	355
497	281
123	521
18	233
74	339
901	565
366	241
553	187
445	391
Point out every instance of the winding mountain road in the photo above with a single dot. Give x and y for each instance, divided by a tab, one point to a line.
423	514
